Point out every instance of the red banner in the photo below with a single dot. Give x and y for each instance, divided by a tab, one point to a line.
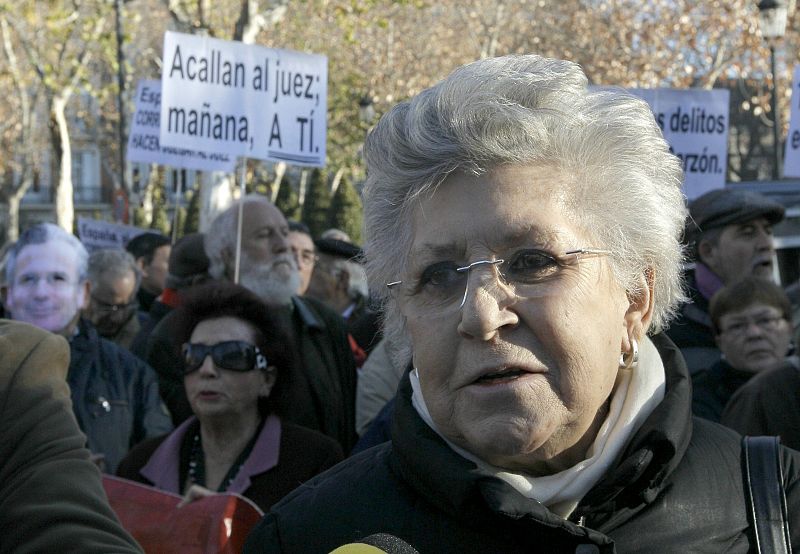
218	523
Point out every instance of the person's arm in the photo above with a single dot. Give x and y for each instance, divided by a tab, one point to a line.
51	495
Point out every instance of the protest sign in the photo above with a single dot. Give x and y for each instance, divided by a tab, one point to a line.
143	140
791	158
96	234
243	100
695	124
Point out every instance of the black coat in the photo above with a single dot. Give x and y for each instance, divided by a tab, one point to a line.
714	387
677	487
692	332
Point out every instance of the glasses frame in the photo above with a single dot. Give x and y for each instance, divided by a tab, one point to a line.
586	251
113	308
764	324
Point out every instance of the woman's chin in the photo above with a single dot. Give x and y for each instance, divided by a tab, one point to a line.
509	443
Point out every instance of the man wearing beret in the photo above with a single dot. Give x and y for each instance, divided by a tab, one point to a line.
730	234
340	281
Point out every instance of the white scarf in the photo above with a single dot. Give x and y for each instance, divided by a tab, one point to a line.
636	394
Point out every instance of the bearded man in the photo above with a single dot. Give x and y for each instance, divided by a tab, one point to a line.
320	392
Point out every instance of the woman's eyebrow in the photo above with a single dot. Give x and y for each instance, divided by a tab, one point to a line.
437	250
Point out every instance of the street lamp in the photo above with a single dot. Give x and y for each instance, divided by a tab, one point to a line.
772	20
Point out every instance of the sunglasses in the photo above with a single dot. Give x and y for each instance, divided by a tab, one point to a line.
233	355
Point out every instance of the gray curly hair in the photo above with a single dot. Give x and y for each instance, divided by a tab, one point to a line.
531	110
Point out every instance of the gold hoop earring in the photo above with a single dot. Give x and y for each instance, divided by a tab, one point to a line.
629	360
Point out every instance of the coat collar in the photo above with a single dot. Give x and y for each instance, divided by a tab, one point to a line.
307	315
162	469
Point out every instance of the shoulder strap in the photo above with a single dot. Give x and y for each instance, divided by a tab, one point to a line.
763	483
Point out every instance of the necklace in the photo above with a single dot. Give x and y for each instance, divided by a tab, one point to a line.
197	464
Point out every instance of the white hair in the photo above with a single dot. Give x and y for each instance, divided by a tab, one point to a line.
625	184
266	282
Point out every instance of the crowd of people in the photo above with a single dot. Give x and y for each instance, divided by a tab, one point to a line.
520	359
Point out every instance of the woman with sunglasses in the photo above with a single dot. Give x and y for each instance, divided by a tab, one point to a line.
236	355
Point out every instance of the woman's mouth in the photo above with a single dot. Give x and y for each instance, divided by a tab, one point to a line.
501	376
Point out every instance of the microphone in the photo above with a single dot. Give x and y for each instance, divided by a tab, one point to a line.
379	543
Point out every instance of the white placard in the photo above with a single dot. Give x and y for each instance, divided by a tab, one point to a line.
695	124
95	234
143	140
243	99
791	158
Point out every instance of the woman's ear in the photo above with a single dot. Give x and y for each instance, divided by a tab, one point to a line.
640	309
269	374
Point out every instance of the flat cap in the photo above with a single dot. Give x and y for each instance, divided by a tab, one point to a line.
188	257
722	207
338	248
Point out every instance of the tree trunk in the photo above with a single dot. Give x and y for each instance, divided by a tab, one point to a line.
336	180
12	232
59	137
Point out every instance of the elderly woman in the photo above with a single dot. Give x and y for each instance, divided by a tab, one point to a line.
236	357
526	233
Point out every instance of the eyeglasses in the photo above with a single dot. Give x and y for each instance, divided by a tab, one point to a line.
306	256
102	306
765	323
443	287
234	355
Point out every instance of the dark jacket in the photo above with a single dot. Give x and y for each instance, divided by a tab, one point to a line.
691	331
712	388
319	393
51	495
114	396
769	404
147	323
677	487
283	457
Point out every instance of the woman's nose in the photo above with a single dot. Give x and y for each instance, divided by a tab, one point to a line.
486	307
207	368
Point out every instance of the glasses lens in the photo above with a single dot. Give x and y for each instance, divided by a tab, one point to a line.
231	355
193	356
234	355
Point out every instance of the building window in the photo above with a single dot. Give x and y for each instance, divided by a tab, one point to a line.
86	176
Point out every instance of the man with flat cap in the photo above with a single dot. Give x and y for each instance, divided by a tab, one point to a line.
729	232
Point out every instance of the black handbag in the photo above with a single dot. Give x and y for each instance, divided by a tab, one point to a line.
766	500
